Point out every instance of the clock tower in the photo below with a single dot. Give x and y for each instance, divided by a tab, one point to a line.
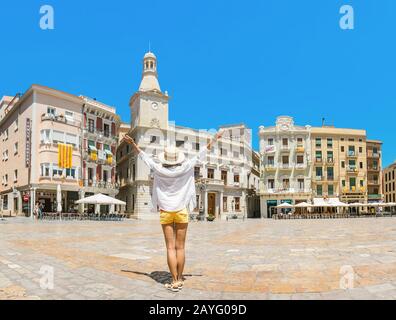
149	106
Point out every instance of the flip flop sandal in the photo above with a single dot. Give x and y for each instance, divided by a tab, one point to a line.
180	284
172	287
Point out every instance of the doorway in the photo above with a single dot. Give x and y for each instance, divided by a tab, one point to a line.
211	204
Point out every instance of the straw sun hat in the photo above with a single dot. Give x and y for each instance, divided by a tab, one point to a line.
171	156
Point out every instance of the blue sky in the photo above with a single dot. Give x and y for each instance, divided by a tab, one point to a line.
221	61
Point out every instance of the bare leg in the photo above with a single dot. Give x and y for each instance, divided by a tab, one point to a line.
171	249
181	232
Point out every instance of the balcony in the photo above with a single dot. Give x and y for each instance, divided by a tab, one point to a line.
373	155
100	184
373	168
60	118
355	190
351	154
319	161
373	182
285	166
212	182
330	178
270	167
319	178
300	149
330	161
351	170
301	166
374	197
99	134
285	148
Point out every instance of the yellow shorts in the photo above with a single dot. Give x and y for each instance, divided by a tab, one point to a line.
174	217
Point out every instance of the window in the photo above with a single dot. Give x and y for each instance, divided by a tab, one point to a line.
210	173
271	183
329	143
319	172
285	184
352	184
15	148
237	204
285	142
197	173
106	130
71	139
285	160
225	209
351	139
56	171
90	174
362	183
361	165
271	160
300	159
236	178
319	190
6	134
236	154
330	156
223	151
300	141
270	142
360	149
58	136
45	170
16	125
69	116
71	173
224	176
330	173
196	146
342	149
180	144
51	111
105	176
343	164
300	183
133	172
318	156
5	202
343	183
5	155
91	125
318	142
15	175
45	136
154	139
330	190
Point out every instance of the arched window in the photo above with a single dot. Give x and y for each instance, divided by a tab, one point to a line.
151	65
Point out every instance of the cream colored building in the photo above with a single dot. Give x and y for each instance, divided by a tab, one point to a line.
285	164
374	171
389	175
226	183
339	163
31	127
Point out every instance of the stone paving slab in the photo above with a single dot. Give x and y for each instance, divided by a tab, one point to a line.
255	259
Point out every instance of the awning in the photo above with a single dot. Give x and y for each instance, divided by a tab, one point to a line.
108	152
100	199
92	148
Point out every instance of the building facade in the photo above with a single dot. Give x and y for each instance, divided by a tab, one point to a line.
374	171
285	164
389	178
316	163
38	131
224	183
340	163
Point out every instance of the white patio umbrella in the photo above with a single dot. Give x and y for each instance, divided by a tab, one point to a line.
101	199
285	205
59	199
303	205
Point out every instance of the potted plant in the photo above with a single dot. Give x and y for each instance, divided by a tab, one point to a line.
210	218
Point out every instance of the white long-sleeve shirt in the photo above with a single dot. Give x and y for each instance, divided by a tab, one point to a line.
174	187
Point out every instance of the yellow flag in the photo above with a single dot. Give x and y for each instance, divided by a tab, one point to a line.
59	155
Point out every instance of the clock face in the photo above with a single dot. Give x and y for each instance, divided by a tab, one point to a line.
285	127
154	106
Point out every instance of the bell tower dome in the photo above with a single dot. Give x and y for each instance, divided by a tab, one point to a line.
150	75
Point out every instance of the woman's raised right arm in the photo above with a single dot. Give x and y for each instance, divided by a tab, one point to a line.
144	156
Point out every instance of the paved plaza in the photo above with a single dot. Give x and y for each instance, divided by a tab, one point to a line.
255	259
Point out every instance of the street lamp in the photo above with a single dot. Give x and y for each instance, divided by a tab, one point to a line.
202	188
